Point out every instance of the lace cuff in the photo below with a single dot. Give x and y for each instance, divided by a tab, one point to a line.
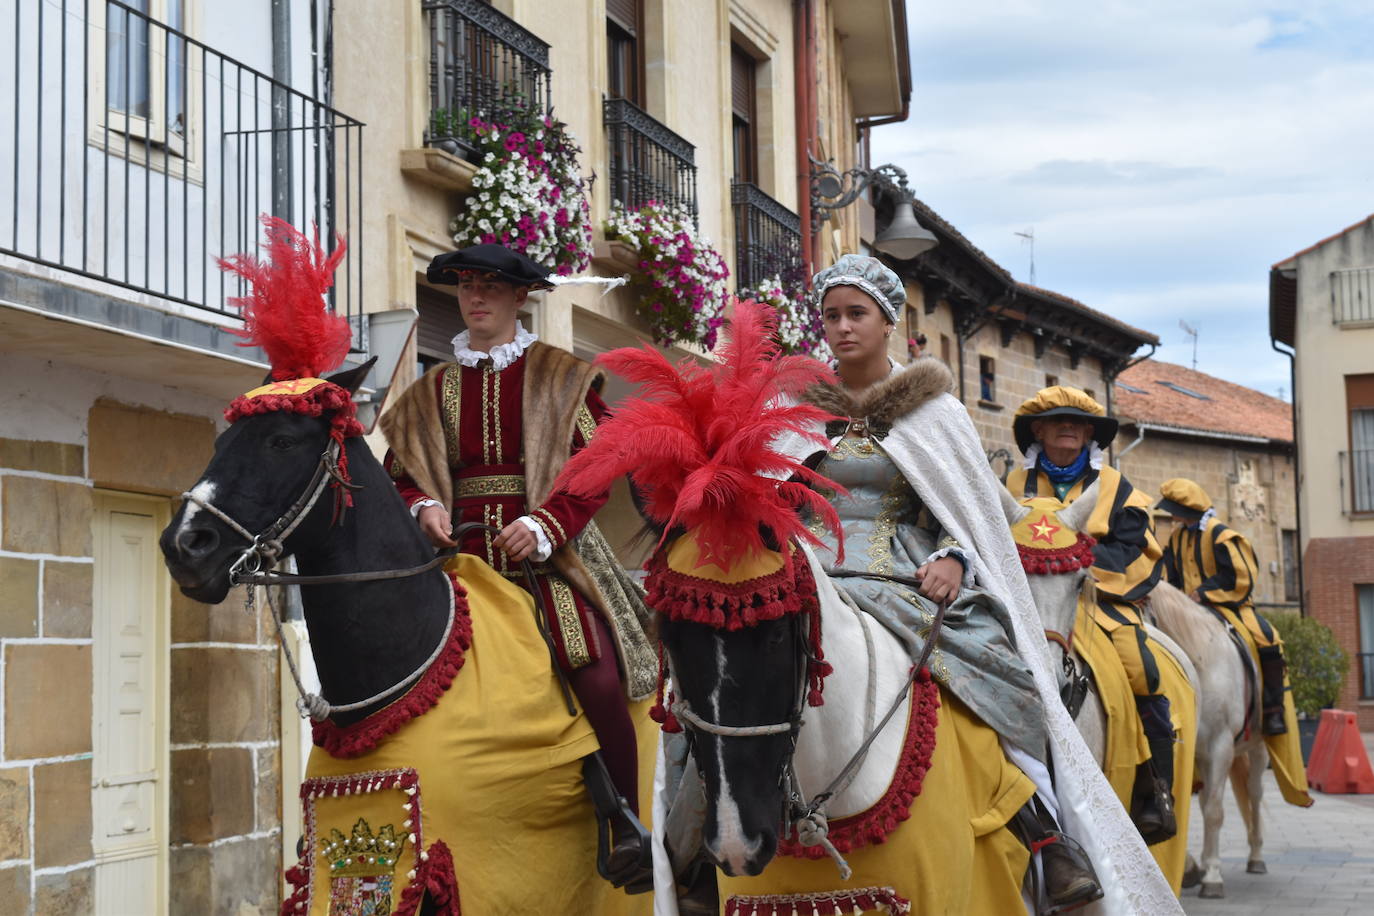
544	548
962	554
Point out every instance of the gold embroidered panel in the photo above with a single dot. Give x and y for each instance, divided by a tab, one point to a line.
490	485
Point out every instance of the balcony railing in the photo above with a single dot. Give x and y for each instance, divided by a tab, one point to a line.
767	239
1364	661
138	155
1352	295
649	163
481	64
1358	465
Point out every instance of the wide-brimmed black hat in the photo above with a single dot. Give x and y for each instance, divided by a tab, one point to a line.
1062	401
490	260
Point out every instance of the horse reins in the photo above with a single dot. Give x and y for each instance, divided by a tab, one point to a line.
266	548
807	817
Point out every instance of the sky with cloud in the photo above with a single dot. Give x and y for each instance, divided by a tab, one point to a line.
1165	153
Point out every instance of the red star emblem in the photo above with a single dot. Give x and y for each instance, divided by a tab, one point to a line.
1043	530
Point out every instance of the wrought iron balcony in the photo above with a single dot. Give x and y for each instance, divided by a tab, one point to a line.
649	163
482	64
138	155
767	239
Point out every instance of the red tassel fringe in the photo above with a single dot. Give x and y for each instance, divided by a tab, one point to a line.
298	876
362	736
1046	561
824	903
719	604
436	878
878	822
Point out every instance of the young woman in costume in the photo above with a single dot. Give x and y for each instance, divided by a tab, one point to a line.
913	518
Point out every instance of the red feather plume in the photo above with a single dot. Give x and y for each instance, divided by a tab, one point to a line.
697	440
285	312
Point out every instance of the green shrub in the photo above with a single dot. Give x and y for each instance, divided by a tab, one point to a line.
1316	662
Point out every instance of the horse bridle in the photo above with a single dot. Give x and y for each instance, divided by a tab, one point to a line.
808	817
1074	690
253	567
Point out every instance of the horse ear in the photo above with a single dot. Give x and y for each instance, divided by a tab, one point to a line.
1012	509
350	379
1076	515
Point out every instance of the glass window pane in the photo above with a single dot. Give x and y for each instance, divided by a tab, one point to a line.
126	60
1366	654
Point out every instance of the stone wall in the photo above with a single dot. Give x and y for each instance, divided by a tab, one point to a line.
1332	568
1253	488
222	774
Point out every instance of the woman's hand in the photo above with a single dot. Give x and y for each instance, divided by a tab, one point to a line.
940	579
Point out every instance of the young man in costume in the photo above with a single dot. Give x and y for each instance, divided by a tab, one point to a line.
1062	432
1216	566
481	439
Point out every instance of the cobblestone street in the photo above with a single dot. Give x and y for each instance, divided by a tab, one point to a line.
1321	859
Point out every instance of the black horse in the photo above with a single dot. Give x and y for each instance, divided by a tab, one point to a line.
368	636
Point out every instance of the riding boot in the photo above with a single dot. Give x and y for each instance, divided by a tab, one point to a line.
697	892
1152	809
624	855
1070	881
1272	668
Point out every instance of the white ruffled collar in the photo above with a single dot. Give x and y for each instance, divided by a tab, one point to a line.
501	355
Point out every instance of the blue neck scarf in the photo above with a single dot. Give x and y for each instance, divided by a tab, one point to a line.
1069	472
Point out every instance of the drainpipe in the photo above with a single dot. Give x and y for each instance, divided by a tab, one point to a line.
1140	437
281	110
1109	382
803	58
1297	471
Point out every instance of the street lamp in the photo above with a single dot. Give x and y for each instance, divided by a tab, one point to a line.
831	189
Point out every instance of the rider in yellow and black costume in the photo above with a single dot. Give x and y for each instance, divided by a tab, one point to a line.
1216	565
1068	425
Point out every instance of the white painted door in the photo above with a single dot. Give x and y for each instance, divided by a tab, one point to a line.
130	645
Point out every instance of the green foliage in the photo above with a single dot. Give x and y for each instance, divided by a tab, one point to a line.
1317	664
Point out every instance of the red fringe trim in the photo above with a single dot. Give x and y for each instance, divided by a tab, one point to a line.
878	822
823	903
720	604
1042	561
362	736
733	607
435	878
298	876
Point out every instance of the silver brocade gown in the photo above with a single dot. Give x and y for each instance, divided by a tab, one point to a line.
888	532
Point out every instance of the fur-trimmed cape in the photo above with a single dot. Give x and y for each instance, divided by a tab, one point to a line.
556	383
933	442
884	403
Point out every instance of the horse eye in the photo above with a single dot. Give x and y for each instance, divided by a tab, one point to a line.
282	443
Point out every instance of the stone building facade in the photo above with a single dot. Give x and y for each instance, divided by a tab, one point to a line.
1237	443
140	732
1321	305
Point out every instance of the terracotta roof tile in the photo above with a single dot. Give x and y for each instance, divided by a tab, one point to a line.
1227	408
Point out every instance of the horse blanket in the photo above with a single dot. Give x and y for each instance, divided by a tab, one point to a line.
479	800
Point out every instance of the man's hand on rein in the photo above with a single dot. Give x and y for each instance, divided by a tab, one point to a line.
516	541
438	527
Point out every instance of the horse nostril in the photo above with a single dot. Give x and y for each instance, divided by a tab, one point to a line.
197	542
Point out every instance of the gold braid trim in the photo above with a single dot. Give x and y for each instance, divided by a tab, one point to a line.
452	404
565	609
586	425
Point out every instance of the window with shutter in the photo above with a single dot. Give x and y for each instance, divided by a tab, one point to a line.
743	93
1359	401
440	321
625	50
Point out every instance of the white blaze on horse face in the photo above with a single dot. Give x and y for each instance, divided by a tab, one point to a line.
203	491
732	846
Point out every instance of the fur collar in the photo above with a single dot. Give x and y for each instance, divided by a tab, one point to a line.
889	400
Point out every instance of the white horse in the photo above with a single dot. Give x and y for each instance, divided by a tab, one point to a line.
1223	744
1057	598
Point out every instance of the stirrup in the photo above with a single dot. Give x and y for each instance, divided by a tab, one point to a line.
611	811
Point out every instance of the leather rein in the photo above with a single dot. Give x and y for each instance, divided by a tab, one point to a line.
253	567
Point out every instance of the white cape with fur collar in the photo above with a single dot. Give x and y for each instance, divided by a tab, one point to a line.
935	445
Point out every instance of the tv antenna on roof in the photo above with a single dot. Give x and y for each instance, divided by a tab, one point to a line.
1029	238
1191	332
